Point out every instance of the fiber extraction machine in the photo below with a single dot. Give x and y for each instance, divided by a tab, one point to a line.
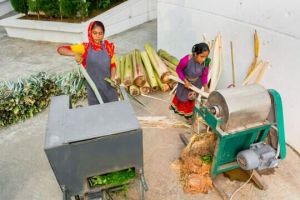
242	118
89	141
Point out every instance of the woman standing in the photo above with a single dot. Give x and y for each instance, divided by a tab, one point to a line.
192	69
97	57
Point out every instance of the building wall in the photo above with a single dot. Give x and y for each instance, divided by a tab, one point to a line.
182	23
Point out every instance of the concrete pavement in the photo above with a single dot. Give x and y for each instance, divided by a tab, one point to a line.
25	173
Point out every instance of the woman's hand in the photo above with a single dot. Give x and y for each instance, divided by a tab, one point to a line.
187	84
78	58
192	95
206	89
113	78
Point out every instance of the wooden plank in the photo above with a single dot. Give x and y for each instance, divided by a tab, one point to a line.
257	179
221	192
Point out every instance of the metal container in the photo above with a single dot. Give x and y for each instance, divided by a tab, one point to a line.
239	107
92	140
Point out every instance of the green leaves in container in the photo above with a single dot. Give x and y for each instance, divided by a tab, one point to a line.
113	178
207	159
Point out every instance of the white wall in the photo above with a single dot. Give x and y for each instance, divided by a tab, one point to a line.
181	23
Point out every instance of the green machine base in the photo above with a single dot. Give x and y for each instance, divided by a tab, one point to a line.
230	144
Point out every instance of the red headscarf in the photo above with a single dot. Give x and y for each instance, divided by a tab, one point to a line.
97	47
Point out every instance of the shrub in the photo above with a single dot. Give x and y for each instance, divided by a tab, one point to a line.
69	8
104	3
23	99
83	8
34	6
50	7
61	8
75	7
20	6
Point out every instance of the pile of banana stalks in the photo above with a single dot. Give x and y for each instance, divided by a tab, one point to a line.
143	72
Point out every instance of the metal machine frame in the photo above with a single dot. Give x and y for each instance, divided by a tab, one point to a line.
230	144
90	141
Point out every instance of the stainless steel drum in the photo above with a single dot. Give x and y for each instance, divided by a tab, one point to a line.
240	106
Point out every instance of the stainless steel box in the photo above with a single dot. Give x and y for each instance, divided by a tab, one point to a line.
91	140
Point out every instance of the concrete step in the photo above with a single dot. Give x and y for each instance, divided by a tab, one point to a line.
5	7
9	14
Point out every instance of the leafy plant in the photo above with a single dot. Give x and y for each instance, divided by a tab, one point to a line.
61	8
207	159
34	6
104	3
69	8
22	99
113	178
20	6
83	8
50	7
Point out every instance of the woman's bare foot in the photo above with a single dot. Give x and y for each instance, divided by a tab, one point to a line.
189	121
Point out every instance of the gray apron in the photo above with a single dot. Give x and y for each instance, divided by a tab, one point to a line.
192	73
98	67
